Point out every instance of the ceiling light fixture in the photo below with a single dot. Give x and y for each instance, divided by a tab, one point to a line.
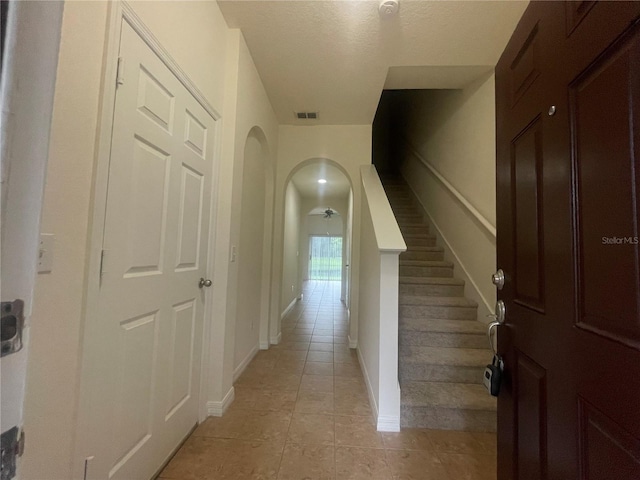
322	180
388	8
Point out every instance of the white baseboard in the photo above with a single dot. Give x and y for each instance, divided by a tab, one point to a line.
384	423
217	409
264	345
372	397
353	343
388	423
244	363
288	309
277	339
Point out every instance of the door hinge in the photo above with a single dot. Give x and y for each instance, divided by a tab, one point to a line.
120	72
103	254
12	447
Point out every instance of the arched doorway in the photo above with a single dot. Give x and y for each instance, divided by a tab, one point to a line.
313	188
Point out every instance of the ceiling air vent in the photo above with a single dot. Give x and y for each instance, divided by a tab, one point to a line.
306	115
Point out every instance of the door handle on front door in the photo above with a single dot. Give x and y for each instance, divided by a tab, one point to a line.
490	328
498	279
204	283
501	312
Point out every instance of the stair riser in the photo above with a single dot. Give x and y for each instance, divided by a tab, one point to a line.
448	419
420	242
441	339
417	372
398	195
424	230
421	255
446	313
397	189
408	219
426	325
402	204
411	271
432	290
406	211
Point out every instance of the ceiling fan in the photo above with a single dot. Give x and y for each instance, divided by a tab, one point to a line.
328	212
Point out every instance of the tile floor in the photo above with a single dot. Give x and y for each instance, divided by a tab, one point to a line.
301	412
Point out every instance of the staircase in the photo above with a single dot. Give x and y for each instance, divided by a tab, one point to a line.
443	347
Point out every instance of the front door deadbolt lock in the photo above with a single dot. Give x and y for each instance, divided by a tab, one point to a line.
498	279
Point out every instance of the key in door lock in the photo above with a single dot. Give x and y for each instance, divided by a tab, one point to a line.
492	377
12	323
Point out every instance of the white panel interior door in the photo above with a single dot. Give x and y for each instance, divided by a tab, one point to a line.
142	352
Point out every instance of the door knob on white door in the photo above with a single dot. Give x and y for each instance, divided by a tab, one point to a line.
205	283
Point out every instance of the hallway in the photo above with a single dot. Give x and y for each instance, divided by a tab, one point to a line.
301	411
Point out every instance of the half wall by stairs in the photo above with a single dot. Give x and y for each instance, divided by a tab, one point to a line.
443	348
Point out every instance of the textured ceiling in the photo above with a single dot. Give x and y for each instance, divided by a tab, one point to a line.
306	181
333	56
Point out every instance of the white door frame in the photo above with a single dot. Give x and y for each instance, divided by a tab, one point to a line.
26	100
119	12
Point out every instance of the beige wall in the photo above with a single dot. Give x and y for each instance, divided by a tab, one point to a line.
291	288
191	31
348	147
454	131
369	325
217	61
52	372
253	118
249	254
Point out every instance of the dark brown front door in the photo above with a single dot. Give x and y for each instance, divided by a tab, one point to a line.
568	209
